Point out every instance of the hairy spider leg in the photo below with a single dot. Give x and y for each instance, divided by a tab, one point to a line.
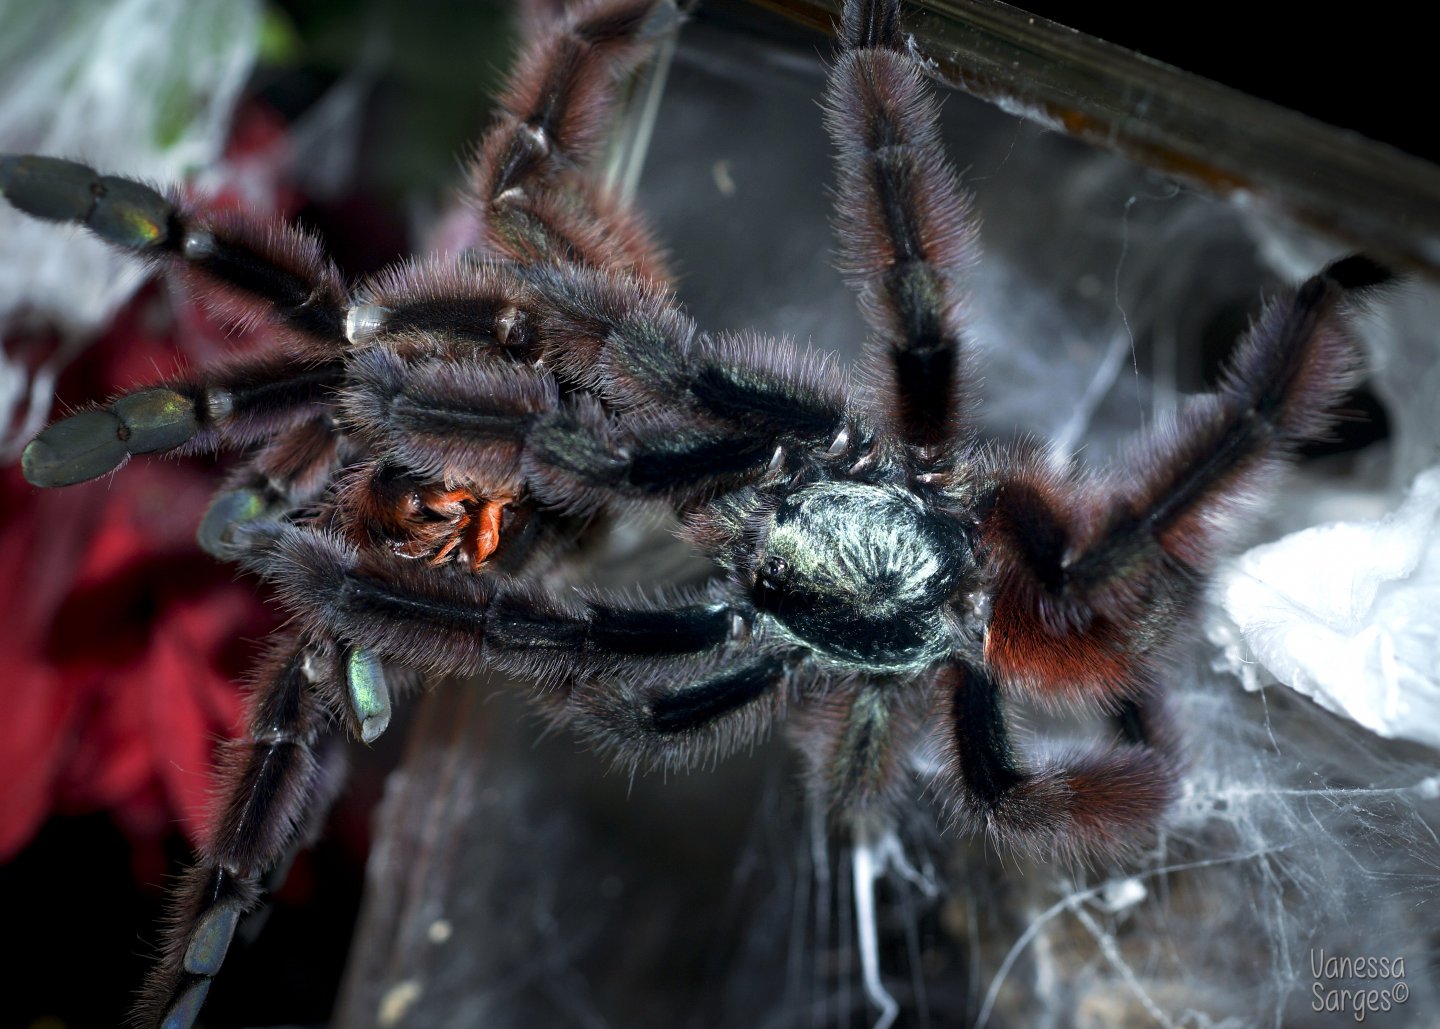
535	198
699	416
530	184
284	403
1094	575
1089	588
607	327
661	685
1103	800
906	242
907	238
281	400
1093	581
269	270
278	781
857	744
531	181
284	783
556	367
460	316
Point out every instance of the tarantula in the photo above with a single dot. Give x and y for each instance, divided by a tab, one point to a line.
417	447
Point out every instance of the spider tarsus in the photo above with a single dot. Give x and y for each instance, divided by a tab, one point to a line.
91	443
48	187
73	450
278	266
368	693
210	939
156	420
250	401
203	911
228	509
120	211
185	1009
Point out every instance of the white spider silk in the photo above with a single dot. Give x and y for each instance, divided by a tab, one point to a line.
1346	613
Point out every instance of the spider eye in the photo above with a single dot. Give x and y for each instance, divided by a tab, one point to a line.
774	571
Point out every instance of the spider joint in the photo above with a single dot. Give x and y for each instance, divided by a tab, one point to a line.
198	245
219	404
509	198
538	137
363	322
506	322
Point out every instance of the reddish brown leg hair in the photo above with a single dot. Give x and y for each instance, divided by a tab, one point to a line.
529	183
1092	580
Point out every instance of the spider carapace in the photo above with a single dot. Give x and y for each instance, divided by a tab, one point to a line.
416	447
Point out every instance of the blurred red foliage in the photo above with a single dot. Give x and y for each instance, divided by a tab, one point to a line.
123	644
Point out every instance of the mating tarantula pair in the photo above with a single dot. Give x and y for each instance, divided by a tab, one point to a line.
418	447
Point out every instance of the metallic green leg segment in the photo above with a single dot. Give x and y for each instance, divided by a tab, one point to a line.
368	693
91	443
228	510
120	211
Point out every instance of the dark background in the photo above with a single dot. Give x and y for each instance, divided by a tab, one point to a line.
1367	67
